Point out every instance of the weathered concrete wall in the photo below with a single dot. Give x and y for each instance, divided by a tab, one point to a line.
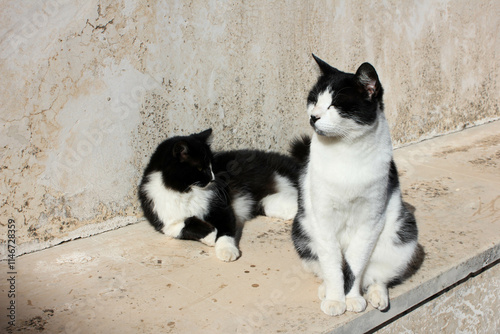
471	307
89	89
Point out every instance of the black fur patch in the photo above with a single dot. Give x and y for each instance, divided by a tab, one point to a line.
253	172
393	182
195	229
300	148
300	238
348	276
408	230
301	242
221	214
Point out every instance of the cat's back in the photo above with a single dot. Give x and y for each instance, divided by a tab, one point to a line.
252	164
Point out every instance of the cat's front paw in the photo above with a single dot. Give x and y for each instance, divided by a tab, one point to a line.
227	254
209	240
226	250
355	304
333	307
378	297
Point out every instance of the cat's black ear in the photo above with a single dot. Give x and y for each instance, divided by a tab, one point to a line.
205	136
368	79
323	66
181	151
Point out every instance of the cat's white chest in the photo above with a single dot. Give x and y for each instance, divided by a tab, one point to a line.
172	206
346	172
343	187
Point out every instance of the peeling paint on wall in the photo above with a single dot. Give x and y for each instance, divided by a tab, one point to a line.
89	90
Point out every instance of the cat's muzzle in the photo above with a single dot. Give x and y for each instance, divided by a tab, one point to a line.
313	120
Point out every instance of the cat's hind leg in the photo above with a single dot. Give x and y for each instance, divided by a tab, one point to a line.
283	203
397	256
375	286
378	295
388	266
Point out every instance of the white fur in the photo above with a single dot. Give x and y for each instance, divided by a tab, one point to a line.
344	187
283	203
209	240
225	249
173	207
242	206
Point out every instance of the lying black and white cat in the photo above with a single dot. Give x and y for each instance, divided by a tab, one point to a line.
189	193
352	228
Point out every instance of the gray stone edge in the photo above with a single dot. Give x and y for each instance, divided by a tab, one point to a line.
419	294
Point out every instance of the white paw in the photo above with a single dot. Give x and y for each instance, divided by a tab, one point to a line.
333	307
226	250
209	240
355	304
378	297
227	254
322	291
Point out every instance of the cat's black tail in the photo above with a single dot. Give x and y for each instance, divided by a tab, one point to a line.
299	148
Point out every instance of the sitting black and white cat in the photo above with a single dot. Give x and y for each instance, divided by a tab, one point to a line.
352	228
189	193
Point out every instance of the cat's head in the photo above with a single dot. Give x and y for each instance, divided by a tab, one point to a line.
344	105
185	161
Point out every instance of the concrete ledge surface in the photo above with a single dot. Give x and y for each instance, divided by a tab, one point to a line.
136	280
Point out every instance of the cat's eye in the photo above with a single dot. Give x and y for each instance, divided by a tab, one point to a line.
200	168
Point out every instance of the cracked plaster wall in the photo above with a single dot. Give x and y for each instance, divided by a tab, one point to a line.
88	89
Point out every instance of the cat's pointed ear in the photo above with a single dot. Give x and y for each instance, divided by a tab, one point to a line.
205	136
181	151
368	79
323	66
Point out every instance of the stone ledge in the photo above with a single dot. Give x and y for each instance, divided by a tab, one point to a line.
417	296
136	280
